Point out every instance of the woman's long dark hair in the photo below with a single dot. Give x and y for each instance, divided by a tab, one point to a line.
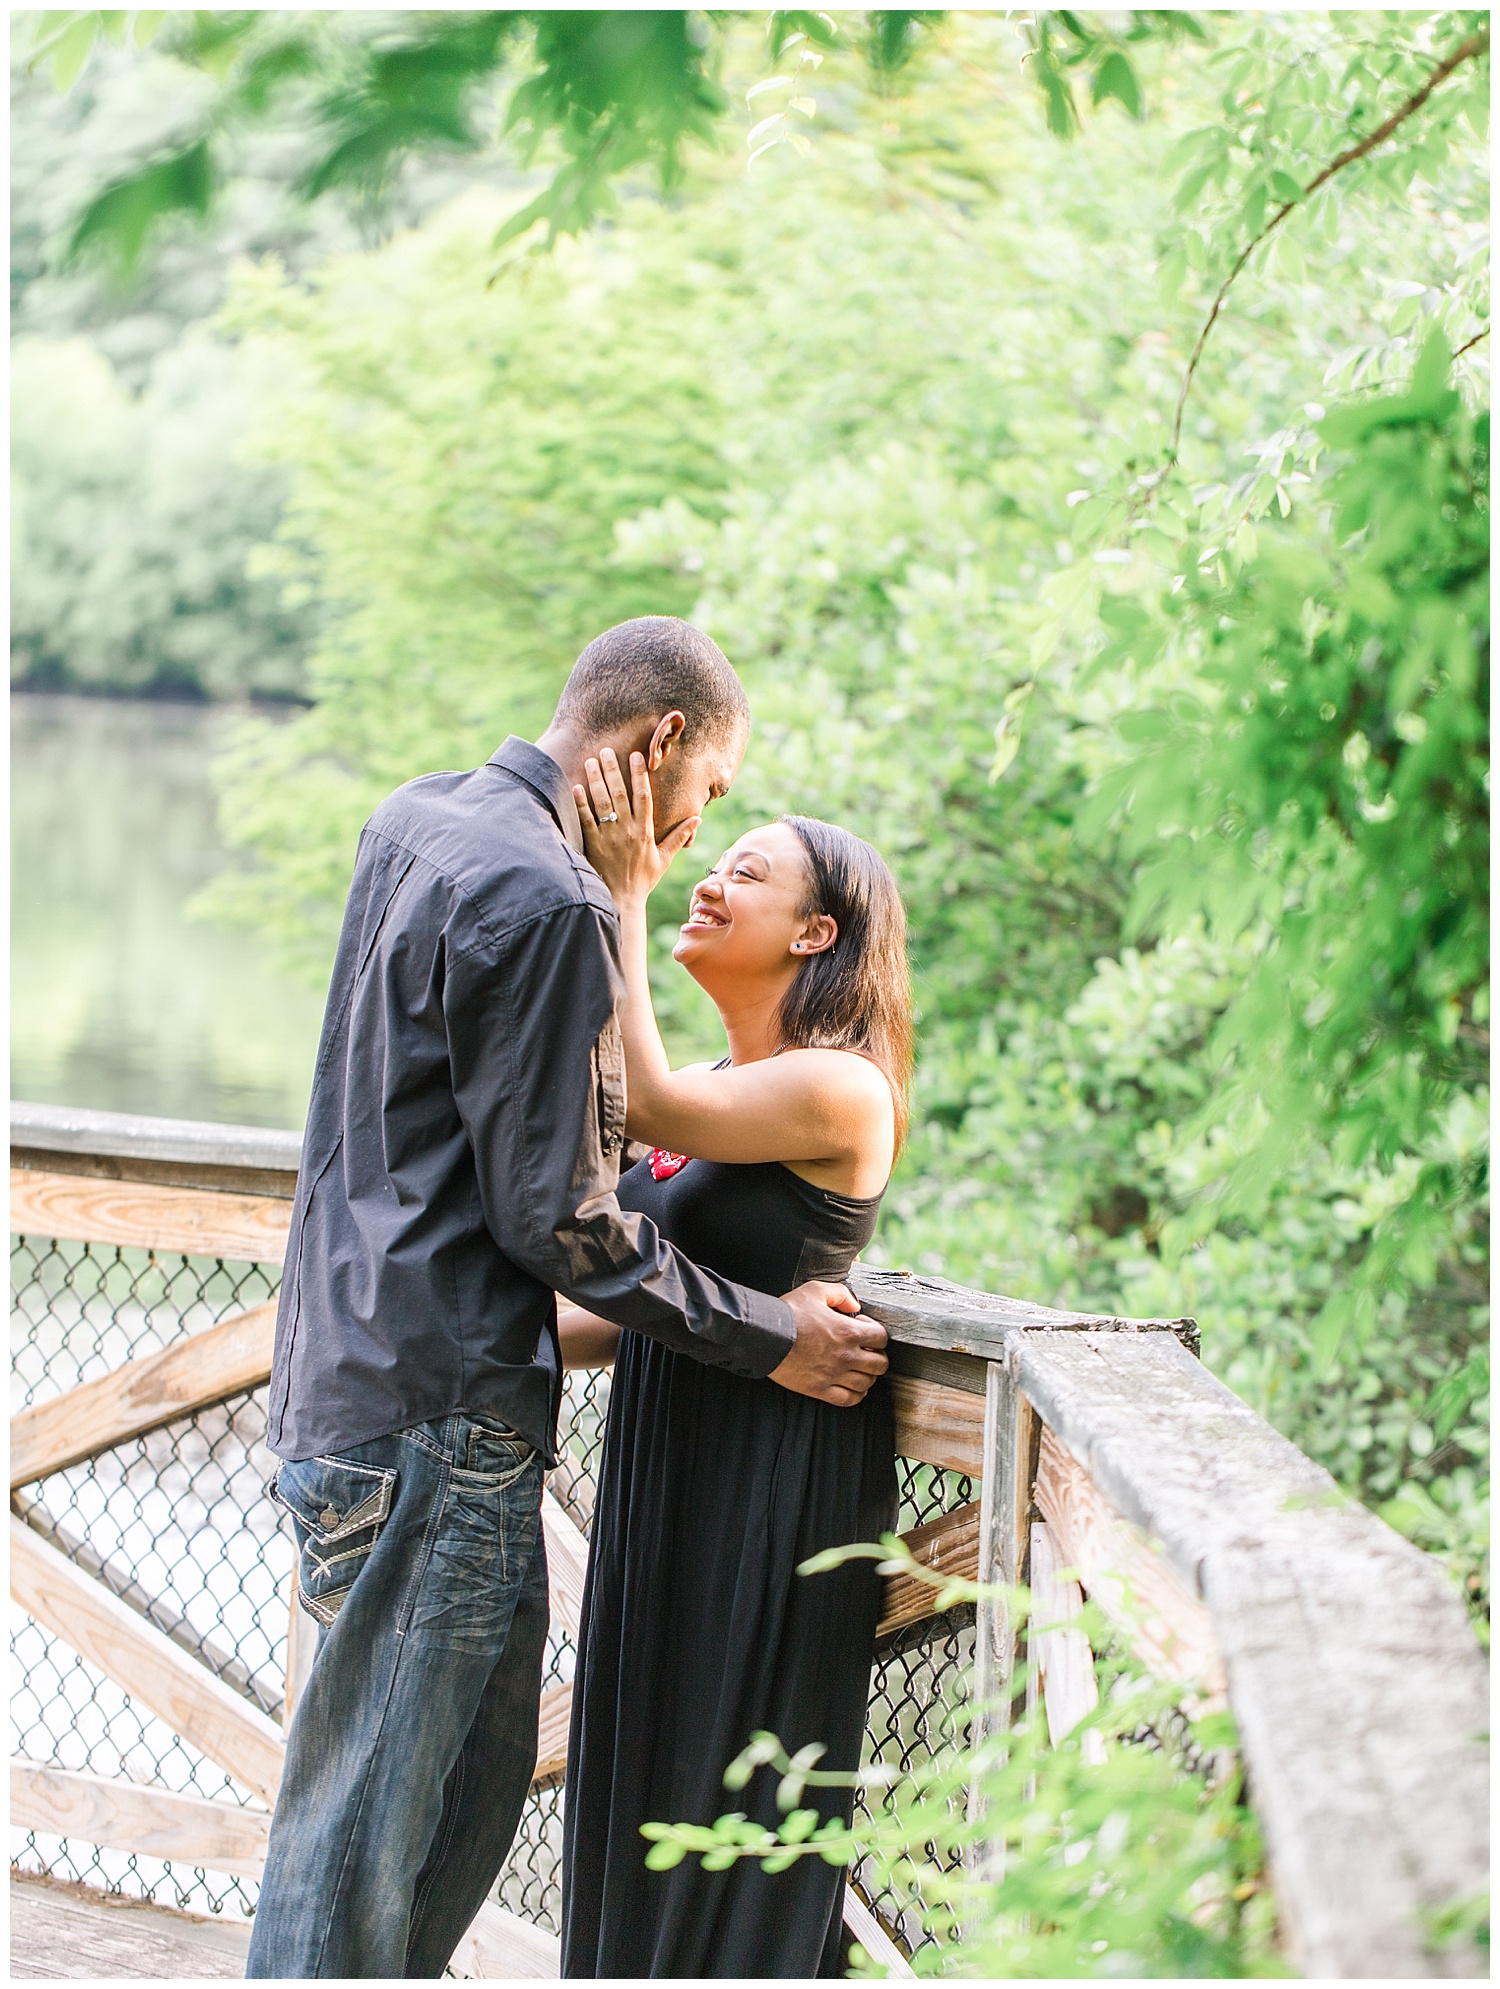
856	995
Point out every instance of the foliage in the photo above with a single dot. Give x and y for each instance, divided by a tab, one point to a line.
1325	784
897	552
612	89
502	433
131	525
1114	1857
129	417
1124	678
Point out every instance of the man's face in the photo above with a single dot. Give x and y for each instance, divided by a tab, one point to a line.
686	782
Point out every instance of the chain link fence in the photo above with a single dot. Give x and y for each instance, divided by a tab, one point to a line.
179	1525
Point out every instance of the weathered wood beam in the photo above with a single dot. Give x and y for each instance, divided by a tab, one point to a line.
142	1395
301	1648
1062	1662
196	1221
554	1720
207	1713
1357	1685
199	1644
141	1661
567	1564
864	1924
938	1425
126	1816
1011	1434
949	1545
929	1312
1130	1579
1010	1440
949	1370
501	1947
121	1146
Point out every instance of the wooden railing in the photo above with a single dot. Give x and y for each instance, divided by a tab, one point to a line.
1230	1562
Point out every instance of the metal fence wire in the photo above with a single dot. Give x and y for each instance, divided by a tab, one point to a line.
179	1524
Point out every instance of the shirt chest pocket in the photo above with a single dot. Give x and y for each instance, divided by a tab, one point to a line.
338	1509
609	1087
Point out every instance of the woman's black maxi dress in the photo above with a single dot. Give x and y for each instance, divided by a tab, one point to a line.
697	1630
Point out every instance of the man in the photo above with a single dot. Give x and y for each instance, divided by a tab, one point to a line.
462	1151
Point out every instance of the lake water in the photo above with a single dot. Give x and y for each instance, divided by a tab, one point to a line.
119	1000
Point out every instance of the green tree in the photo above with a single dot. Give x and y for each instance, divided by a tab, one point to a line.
905	515
609	89
1005	470
132	520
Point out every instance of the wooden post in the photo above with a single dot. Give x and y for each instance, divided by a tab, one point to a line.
1061	1678
301	1649
1010	1442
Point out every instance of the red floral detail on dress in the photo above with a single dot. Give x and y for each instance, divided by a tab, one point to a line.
664	1165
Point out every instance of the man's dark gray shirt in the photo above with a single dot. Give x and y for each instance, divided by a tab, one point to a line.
464	1134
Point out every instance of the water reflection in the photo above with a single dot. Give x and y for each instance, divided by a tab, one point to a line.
118	1000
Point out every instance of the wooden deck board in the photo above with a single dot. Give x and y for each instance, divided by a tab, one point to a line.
72	1934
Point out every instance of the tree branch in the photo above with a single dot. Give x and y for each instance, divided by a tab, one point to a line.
1471	342
1465	52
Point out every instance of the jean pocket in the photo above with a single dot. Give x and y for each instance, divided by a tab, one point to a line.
492	1450
338	1509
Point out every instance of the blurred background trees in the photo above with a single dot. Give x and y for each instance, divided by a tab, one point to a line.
1175	740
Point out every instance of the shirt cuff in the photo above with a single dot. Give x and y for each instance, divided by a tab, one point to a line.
766	1336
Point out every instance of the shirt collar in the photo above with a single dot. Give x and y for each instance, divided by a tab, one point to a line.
546	778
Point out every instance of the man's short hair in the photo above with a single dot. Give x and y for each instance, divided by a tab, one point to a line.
652	665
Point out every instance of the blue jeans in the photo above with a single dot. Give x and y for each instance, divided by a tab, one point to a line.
413	1745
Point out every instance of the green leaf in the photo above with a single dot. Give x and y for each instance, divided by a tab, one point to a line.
1115	77
799	1826
1284	188
120	219
1429	399
1216	1730
1062	118
1139	728
1192	185
1126	617
1429	386
71	50
663	1856
1007	745
1289	256
1450	1400
1171	274
892	37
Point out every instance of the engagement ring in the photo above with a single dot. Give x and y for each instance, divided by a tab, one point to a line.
609	818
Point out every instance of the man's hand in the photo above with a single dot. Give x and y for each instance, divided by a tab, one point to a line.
837	1354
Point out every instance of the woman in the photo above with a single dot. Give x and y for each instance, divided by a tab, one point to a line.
697	1630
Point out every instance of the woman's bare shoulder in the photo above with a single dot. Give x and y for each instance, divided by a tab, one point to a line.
846	1075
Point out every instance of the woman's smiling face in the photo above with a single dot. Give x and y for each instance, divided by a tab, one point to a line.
746	921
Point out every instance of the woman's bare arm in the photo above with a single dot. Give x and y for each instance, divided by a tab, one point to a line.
586	1339
812	1105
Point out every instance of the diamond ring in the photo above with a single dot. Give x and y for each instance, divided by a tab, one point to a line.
609	818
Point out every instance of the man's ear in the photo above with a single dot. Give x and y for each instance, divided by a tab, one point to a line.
669	731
